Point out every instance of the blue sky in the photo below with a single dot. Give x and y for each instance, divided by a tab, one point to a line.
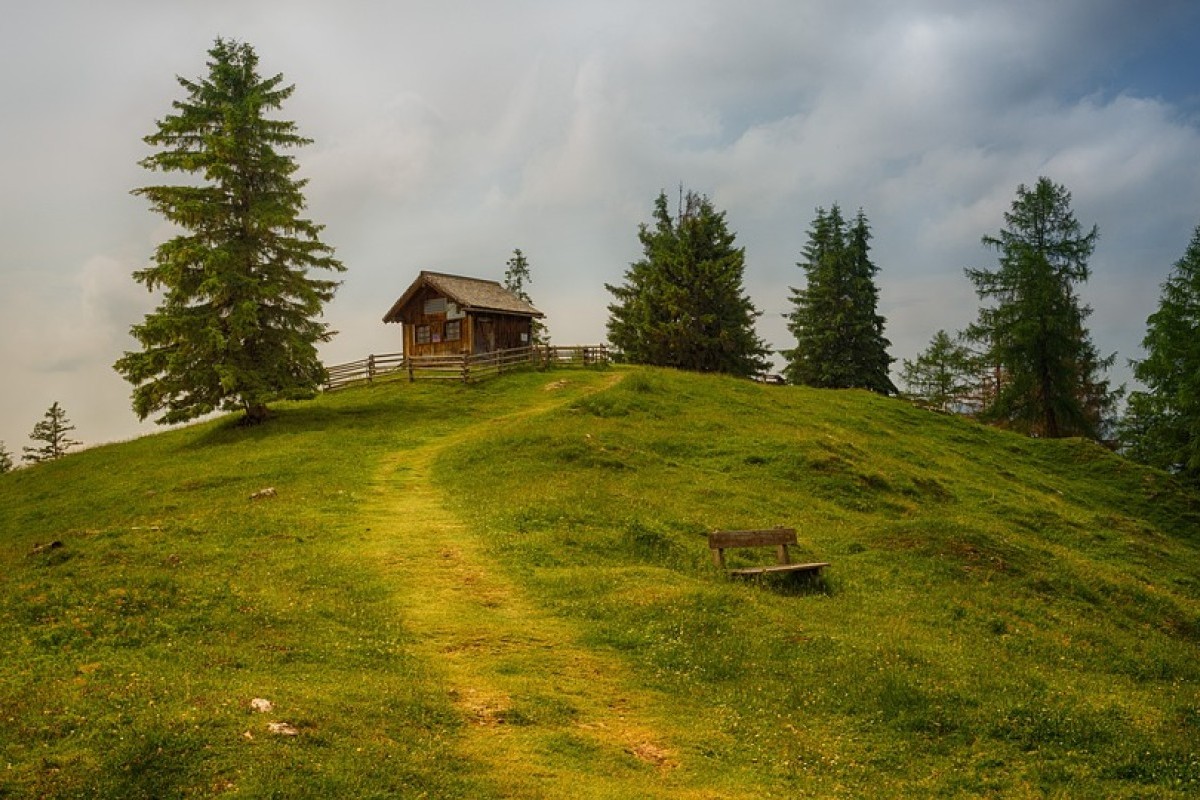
447	133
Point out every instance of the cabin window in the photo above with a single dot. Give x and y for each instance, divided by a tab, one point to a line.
453	331
423	334
435	305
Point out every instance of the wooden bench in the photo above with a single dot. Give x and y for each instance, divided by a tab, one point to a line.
779	538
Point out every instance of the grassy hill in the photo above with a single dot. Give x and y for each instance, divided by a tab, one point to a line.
504	590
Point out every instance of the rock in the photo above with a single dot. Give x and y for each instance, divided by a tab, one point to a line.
262	705
41	548
282	729
261	493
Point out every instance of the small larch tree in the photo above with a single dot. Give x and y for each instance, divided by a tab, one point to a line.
238	323
839	332
52	432
942	377
683	303
1049	370
1162	425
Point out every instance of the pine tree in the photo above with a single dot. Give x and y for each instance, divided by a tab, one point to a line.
237	325
1162	426
516	278
6	460
683	304
1050	370
52	432
839	332
943	376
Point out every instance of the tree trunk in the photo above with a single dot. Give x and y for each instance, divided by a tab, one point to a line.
256	414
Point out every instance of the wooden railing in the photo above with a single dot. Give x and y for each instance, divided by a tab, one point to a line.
465	367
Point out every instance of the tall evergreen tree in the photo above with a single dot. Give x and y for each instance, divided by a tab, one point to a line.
683	304
516	278
943	376
237	326
839	332
1050	383
52	433
1162	425
6	460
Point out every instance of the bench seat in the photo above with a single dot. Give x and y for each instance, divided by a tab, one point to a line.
815	566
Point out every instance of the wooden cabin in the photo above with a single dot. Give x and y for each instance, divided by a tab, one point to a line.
445	315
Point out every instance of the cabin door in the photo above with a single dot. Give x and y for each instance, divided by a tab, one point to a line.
485	335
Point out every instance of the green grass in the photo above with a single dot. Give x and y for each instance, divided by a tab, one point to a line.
1004	616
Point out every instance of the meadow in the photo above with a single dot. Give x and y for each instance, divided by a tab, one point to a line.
504	590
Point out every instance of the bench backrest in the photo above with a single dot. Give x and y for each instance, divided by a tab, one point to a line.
779	538
773	537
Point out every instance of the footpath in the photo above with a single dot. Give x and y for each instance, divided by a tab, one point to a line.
545	716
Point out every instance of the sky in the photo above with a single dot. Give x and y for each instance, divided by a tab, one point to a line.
447	133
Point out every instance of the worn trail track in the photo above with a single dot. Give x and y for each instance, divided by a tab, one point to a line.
545	715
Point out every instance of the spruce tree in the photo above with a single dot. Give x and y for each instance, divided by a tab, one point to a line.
6	460
683	303
1162	425
516	278
52	433
237	326
1050	372
839	332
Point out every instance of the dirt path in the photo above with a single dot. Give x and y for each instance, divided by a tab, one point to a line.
546	716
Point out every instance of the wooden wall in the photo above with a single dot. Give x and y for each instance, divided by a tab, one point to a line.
491	332
479	332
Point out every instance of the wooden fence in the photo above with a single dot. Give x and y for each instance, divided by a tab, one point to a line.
465	367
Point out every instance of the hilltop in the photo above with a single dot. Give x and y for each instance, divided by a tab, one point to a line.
504	590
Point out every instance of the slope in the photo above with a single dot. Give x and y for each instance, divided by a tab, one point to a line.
1004	615
503	590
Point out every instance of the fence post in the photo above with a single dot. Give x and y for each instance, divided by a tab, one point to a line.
370	367
466	368
408	364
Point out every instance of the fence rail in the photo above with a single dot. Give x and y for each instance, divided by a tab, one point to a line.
466	367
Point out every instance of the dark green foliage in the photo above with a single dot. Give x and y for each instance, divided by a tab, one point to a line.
1162	425
943	376
839	333
237	325
683	305
1050	382
6	461
52	433
516	277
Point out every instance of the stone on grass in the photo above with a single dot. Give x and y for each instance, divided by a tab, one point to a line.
282	729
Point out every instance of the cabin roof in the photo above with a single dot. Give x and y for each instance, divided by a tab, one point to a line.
471	294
